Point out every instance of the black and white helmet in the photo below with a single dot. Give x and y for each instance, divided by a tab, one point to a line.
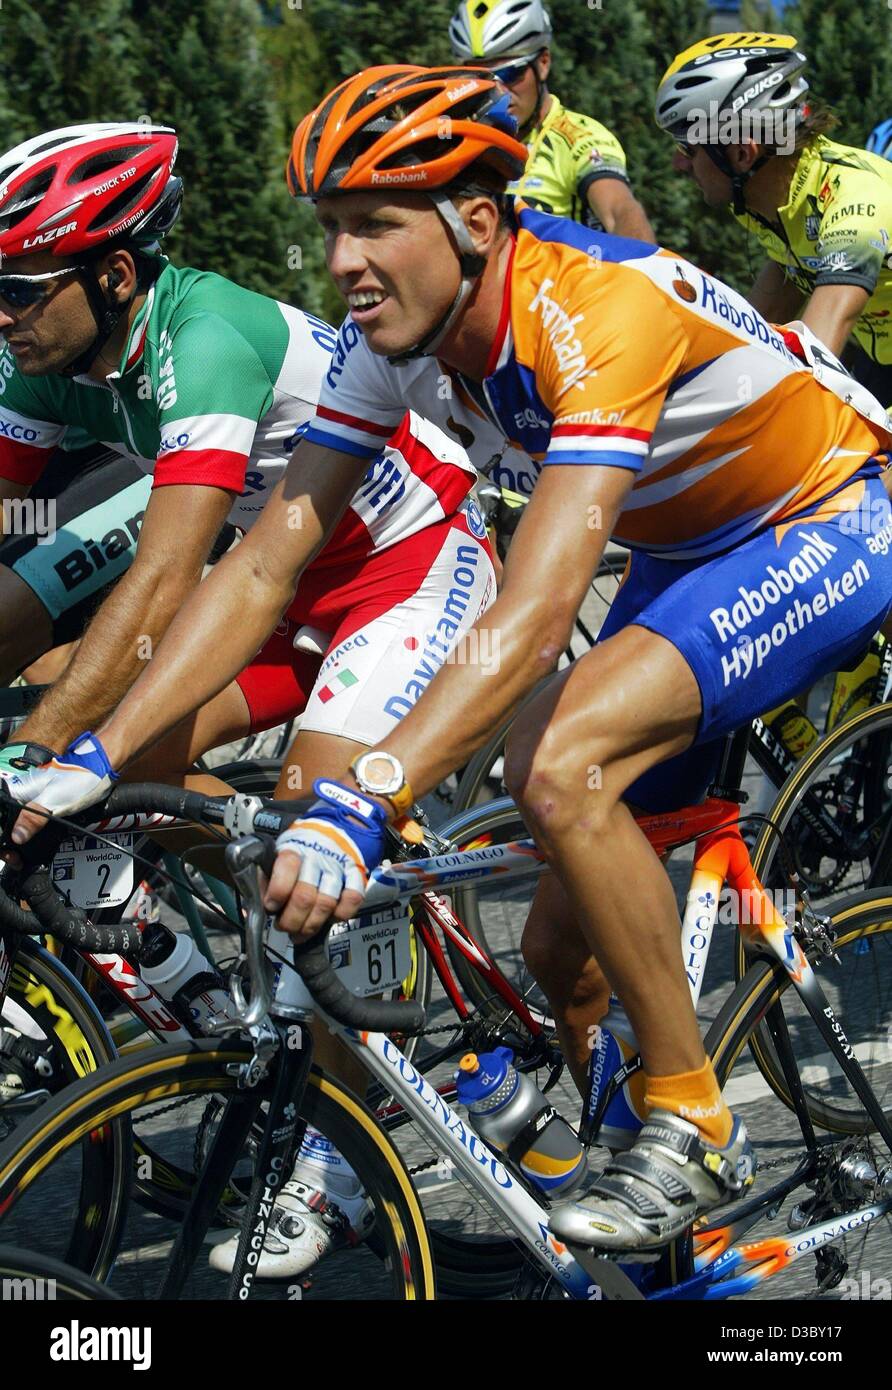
491	29
729	73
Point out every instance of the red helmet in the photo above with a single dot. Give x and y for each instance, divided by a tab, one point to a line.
72	190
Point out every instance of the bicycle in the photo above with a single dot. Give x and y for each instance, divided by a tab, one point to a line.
718	1262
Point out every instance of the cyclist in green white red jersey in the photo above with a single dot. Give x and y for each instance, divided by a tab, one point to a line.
204	387
738	105
576	166
616	365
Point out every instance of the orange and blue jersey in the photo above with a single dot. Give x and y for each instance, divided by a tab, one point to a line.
618	353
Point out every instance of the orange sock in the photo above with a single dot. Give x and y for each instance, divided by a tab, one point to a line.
694	1096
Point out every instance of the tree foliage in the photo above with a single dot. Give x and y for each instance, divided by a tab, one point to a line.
235	77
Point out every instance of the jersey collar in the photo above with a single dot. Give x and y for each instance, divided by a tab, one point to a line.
502	342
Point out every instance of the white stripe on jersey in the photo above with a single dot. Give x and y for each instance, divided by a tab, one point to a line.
24	429
234	433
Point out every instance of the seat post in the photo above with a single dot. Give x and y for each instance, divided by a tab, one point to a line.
729	779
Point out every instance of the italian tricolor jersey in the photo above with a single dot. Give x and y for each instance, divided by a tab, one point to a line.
621	354
214	388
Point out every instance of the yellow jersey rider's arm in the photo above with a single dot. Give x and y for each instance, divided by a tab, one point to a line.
776	298
832	312
615	205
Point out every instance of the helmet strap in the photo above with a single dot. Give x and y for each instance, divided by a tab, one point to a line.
471	264
738	180
107	314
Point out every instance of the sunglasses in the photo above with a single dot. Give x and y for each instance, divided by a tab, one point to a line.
23	291
513	72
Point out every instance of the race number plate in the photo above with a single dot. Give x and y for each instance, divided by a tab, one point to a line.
92	873
372	954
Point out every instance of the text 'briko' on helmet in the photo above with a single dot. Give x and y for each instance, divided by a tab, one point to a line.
405	128
71	191
728	73
499	29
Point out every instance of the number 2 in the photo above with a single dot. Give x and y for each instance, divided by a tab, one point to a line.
104	869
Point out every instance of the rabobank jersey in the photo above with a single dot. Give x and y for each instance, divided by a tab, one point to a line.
619	353
214	385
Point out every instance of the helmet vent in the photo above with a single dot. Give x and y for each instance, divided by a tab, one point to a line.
125	202
104	163
26	198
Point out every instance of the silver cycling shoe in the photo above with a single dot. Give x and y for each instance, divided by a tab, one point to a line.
650	1195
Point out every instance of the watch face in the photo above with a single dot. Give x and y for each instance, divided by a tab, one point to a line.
380	772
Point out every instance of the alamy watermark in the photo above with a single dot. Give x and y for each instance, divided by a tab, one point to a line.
30	516
714	126
27	1289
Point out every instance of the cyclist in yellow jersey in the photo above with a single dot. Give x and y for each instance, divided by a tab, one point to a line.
576	166
738	106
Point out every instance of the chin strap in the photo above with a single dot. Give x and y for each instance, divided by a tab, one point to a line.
738	180
471	264
107	313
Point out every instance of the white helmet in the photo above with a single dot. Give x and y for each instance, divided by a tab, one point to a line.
499	29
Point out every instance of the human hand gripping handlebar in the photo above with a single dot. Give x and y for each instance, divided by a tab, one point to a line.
247	858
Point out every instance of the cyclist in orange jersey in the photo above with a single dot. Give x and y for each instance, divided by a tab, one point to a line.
650	402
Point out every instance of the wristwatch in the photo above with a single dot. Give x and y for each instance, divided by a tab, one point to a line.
381	774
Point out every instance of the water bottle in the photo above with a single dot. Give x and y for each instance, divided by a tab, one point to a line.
509	1111
175	968
614	1044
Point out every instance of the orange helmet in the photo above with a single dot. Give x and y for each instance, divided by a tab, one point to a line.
401	126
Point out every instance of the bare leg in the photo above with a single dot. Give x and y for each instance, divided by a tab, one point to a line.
26	628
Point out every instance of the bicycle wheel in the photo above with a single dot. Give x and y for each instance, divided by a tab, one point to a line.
34	1169
859	990
864	920
62	1017
834	810
25	1275
482	778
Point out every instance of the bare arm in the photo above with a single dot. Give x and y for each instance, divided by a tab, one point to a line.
552	560
615	205
776	298
831	313
178	530
229	617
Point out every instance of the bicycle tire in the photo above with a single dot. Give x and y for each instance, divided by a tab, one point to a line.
211	1068
81	1044
66	1282
859	919
873	722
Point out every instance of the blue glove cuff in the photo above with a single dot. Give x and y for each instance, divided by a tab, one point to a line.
94	757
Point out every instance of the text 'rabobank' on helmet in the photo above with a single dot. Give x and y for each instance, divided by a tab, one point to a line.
499	29
731	73
73	190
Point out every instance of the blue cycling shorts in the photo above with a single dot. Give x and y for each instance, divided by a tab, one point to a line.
763	621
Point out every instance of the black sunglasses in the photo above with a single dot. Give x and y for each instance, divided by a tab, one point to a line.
23	291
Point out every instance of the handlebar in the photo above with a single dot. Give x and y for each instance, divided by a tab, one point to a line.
239	814
310	959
